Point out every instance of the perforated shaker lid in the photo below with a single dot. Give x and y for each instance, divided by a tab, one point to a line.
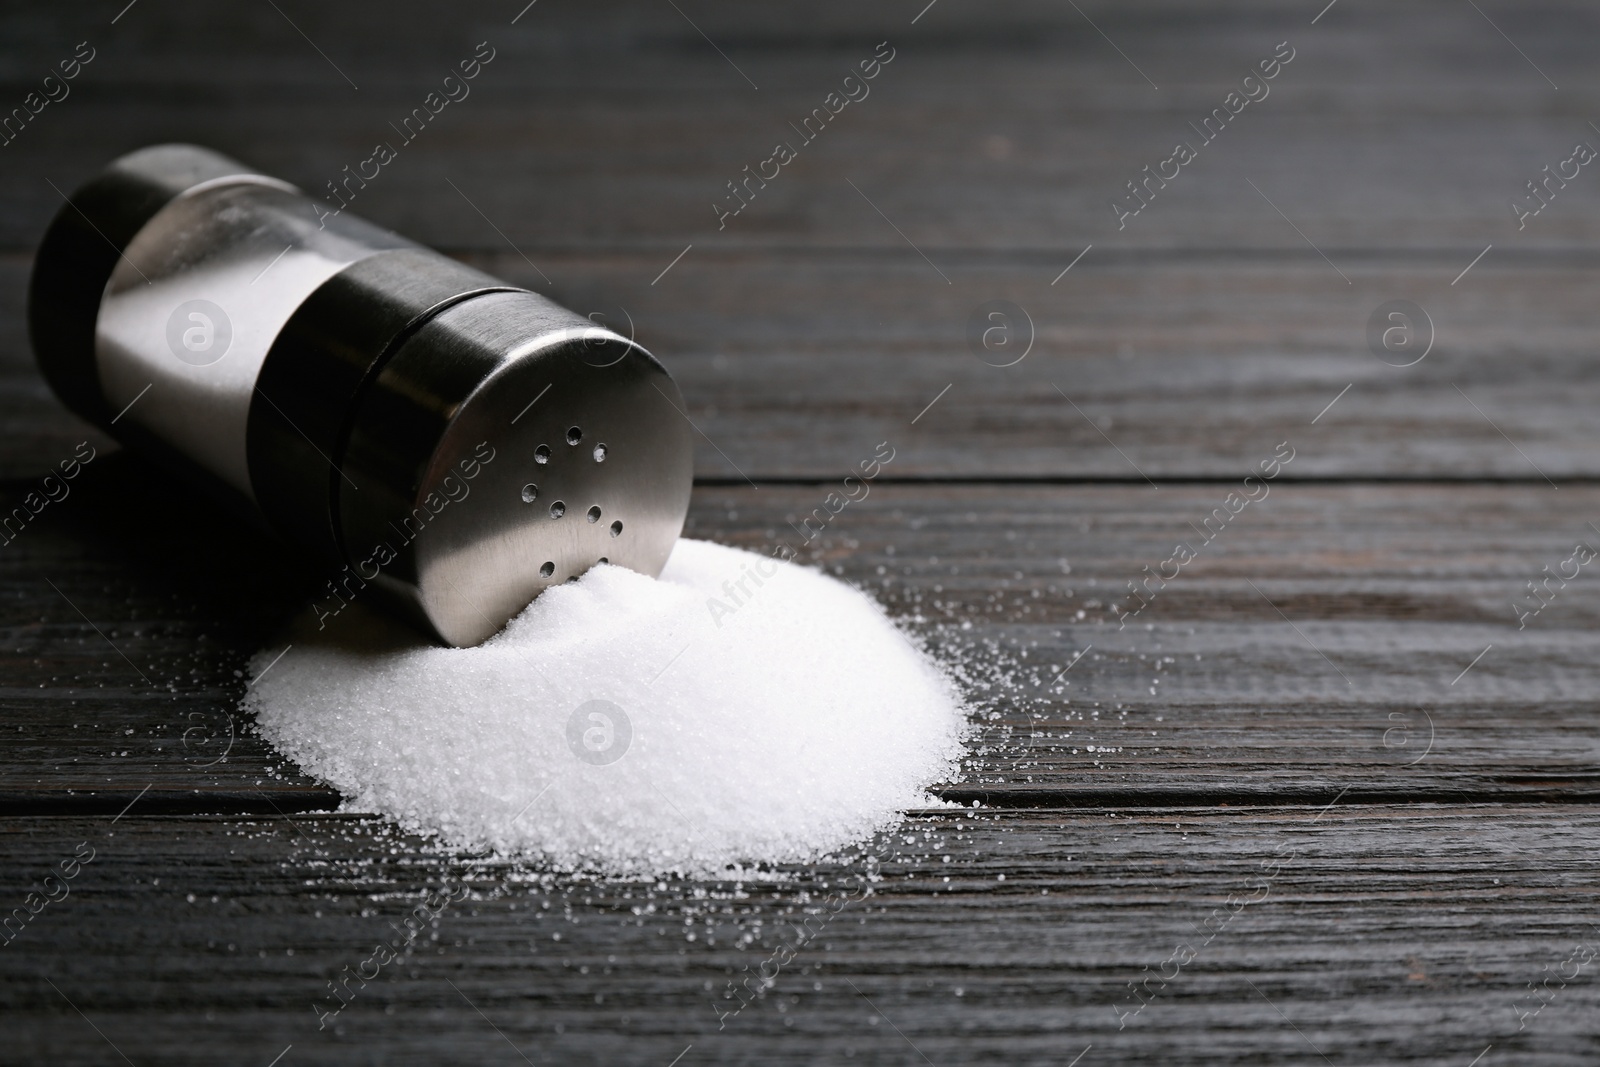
507	446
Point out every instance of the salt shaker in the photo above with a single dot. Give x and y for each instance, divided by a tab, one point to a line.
446	445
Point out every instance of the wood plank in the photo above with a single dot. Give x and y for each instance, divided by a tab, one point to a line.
1400	127
1341	666
1375	935
793	364
1210	696
1178	369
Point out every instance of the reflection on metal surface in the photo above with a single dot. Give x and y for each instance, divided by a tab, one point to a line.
391	412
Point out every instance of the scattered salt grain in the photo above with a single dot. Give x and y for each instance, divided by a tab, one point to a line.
630	725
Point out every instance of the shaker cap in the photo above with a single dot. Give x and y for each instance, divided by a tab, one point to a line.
507	446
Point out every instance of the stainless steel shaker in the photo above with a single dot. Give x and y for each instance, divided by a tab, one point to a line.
443	443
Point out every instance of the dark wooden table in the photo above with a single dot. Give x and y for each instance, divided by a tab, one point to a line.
1321	801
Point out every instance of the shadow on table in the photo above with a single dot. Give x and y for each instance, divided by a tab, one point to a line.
166	542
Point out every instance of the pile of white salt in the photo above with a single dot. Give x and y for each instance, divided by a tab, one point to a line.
628	725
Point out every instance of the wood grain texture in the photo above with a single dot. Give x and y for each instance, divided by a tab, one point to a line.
1331	713
1387	594
1315	644
1400	126
794	366
591	149
1374	935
